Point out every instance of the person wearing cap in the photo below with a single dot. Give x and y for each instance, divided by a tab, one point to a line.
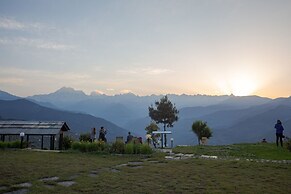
279	132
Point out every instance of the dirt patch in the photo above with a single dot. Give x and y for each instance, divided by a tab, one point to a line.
114	170
3	188
66	183
21	191
24	185
136	167
135	163
54	178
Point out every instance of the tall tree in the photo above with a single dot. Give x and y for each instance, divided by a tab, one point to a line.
201	129
164	112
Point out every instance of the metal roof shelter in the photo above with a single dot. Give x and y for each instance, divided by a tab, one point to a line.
35	128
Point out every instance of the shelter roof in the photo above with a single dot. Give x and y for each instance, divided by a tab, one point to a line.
32	127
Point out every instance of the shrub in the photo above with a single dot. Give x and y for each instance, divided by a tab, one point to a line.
81	146
67	142
75	145
90	147
17	144
129	148
12	144
85	137
288	144
136	148
118	147
102	146
145	149
3	145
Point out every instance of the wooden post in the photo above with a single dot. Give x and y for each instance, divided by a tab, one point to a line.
27	140
42	142
162	140
52	142
61	141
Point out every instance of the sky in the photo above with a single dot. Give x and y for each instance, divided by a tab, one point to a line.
213	47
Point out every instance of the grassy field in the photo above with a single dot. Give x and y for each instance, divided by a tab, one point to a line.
95	173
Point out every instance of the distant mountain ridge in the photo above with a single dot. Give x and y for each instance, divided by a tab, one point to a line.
233	119
119	109
23	109
7	96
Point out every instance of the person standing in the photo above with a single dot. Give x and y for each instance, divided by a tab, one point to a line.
93	134
102	134
279	132
129	138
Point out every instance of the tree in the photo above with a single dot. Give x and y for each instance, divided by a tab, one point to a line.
164	112
152	127
201	129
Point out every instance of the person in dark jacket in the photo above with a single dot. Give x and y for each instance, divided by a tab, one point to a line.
102	133
279	132
129	138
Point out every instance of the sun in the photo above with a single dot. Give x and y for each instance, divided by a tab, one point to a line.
242	87
239	85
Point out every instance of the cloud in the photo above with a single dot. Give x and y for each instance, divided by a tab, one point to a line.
37	43
151	71
148	71
34	28
12	24
14	81
110	89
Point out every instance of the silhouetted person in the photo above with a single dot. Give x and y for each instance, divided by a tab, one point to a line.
129	138
102	134
139	140
279	132
93	135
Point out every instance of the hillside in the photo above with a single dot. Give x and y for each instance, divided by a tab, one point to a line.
237	125
7	96
79	123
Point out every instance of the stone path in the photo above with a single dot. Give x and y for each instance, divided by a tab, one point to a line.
180	156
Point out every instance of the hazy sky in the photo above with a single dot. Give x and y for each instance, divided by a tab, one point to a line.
153	46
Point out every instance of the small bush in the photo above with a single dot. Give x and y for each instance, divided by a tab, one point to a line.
3	145
118	147
81	146
288	144
85	137
129	148
90	147
76	145
67	142
12	144
17	144
136	148
145	149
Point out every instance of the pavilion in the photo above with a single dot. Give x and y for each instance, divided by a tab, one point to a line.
31	129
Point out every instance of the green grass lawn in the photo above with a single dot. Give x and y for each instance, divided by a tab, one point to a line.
153	174
251	151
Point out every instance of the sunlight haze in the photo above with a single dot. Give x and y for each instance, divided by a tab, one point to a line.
212	47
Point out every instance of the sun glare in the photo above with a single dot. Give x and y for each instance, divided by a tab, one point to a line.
238	86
